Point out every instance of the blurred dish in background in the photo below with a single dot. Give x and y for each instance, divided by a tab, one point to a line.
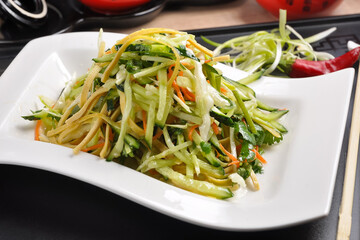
197	2
70	15
79	15
297	9
31	13
112	6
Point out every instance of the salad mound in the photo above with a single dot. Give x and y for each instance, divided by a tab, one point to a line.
156	102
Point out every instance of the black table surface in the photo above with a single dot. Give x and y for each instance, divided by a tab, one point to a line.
36	204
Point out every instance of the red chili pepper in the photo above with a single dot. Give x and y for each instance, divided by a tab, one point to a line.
307	68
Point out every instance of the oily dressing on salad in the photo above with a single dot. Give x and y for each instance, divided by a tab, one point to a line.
155	102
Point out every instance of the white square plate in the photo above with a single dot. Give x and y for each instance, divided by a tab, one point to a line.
299	178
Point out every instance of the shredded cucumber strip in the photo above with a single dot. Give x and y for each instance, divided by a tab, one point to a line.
162	78
170	145
182	104
159	163
189	167
168	107
267	126
117	149
202	187
245	111
187	117
150	124
152	70
173	150
156	59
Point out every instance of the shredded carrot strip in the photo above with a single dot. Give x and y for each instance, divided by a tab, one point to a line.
258	156
93	147
237	163
157	135
215	128
178	92
217	153
187	94
174	84
37	130
144	119
233	159
191	132
223	90
188	97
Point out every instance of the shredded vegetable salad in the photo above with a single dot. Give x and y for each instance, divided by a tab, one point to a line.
155	102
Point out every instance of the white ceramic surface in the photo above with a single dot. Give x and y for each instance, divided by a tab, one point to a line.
298	181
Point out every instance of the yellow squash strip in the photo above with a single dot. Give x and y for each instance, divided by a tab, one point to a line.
146	32
92	131
201	48
92	99
66	115
58	130
106	148
132	125
68	133
101	49
88	83
222	58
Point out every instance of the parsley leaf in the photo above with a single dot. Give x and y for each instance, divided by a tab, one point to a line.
184	52
242	129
